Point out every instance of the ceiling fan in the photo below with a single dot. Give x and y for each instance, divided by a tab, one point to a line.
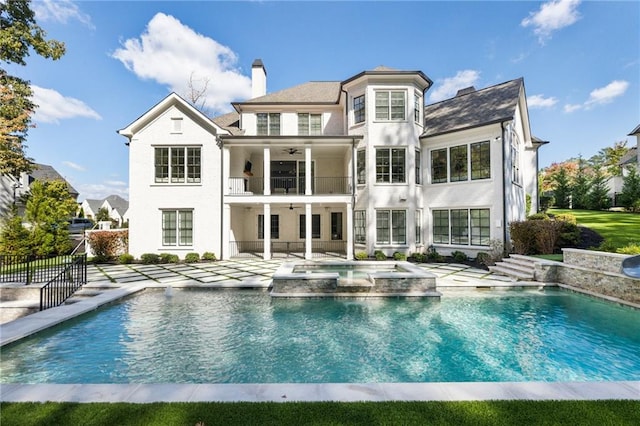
291	207
292	151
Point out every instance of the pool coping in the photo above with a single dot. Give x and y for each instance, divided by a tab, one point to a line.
314	392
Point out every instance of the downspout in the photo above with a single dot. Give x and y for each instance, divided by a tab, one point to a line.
353	169
504	187
220	144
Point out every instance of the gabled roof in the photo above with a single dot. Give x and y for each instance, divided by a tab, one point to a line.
631	157
230	122
473	109
46	173
313	92
116	202
635	131
94	205
173	99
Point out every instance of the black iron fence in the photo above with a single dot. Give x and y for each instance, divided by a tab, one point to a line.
319	249
289	185
63	285
29	269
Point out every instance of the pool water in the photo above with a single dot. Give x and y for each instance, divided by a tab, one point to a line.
210	336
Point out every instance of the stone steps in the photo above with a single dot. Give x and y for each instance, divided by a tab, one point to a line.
516	266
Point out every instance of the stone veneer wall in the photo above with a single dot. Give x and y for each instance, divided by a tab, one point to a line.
594	271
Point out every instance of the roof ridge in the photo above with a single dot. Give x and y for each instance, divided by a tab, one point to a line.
476	91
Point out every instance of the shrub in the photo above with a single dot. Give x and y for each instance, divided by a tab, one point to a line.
125	259
566	217
547	236
361	255
192	258
399	256
379	255
631	248
484	259
546	201
433	255
459	256
169	258
608	246
419	257
523	236
149	258
538	216
106	245
208	256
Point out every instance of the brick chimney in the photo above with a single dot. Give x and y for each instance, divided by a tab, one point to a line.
258	79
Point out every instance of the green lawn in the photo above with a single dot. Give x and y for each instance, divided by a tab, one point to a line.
475	413
618	228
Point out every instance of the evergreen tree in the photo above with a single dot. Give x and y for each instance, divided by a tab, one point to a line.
14	237
630	195
562	192
598	197
580	187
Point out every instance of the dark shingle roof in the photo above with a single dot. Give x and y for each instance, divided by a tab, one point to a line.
473	109
46	173
635	131
630	157
229	122
316	92
118	203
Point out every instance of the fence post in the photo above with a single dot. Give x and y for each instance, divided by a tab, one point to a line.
29	273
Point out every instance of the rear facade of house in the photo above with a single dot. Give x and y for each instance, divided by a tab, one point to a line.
332	169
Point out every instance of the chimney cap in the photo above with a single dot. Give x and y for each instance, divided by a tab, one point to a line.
257	63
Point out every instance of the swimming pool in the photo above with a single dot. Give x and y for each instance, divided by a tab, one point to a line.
205	336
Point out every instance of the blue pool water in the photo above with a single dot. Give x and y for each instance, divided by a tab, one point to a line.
200	336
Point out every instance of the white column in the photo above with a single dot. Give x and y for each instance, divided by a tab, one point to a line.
267	232
226	227
307	171
226	155
349	231
308	241
266	166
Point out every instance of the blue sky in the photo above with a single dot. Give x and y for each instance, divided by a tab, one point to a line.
580	62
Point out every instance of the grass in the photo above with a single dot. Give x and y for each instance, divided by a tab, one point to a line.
555	257
475	413
35	264
617	228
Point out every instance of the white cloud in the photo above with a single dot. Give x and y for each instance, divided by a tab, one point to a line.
552	16
169	53
448	87
52	106
74	166
539	101
60	11
608	93
601	96
98	191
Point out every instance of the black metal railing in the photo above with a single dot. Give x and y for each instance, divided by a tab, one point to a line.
29	269
67	282
289	185
288	248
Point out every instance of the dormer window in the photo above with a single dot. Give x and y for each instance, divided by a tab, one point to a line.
268	124
390	105
309	124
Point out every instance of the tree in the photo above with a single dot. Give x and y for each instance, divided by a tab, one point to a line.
598	197
14	236
48	208
562	193
19	33
198	96
103	215
580	188
610	157
630	195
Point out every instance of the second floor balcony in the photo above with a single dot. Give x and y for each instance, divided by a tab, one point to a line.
254	185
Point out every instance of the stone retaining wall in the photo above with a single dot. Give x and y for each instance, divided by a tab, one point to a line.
594	271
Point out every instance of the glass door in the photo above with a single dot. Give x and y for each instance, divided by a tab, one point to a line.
302	175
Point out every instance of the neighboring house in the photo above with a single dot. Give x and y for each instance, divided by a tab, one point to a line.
115	205
12	189
636	132
333	167
630	159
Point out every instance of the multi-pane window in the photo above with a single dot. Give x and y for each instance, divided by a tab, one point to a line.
439	165
455	227
418	163
268	124
177	227
416	107
358	109
391	227
463	162
315	226
309	124
458	163
336	225
418	226
480	160
390	105
275	227
361	166
390	165
177	164
515	160
360	226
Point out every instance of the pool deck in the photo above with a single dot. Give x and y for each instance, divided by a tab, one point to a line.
118	281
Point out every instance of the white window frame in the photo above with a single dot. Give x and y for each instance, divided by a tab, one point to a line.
384	105
188	171
310	130
182	236
397	234
271	128
360	226
391	173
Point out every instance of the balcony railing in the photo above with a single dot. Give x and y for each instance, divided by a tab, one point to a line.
289	185
320	249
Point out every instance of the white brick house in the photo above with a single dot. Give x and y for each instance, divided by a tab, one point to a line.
332	167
